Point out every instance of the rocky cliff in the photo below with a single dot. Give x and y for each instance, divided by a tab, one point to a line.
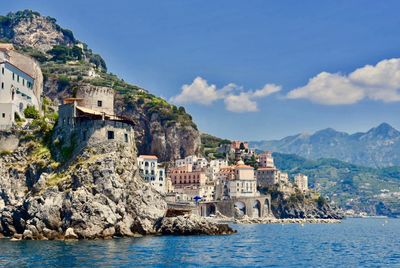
301	206
96	194
162	129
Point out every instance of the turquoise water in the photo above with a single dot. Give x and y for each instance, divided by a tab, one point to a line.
354	243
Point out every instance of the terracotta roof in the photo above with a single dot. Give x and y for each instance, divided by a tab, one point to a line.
267	168
6	46
243	166
70	100
144	156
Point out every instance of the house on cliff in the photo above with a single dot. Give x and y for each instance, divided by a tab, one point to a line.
21	85
88	119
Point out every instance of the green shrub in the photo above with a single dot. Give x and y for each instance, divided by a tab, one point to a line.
31	112
63	82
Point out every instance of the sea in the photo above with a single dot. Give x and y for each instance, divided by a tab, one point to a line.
352	243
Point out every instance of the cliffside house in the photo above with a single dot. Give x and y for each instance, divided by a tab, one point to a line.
243	183
152	172
89	119
265	159
189	183
301	181
20	85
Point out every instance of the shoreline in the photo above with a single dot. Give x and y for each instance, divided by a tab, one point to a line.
277	221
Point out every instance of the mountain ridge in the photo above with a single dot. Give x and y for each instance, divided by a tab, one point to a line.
377	147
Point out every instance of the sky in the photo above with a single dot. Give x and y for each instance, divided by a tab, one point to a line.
249	70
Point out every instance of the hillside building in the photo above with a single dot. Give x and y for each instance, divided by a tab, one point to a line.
265	160
80	123
270	176
152	172
301	181
21	85
243	183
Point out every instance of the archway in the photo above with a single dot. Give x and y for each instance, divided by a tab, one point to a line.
256	209
240	209
211	210
267	208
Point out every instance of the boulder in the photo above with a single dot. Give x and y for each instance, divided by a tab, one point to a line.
191	225
70	234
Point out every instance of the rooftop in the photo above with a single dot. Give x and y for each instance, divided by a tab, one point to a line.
145	156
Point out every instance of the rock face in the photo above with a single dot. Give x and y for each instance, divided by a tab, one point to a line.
287	208
29	29
96	195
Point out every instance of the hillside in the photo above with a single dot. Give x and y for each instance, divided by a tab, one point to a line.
363	189
67	63
378	147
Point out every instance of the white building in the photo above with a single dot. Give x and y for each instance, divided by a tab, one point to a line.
197	163
152	172
218	163
301	181
244	183
18	88
265	160
189	160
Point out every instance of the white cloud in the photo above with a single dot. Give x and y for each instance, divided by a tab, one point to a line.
379	82
236	99
240	103
197	92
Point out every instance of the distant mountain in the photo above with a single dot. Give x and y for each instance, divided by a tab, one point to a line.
379	147
363	189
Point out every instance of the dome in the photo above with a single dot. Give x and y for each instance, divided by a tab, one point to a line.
240	162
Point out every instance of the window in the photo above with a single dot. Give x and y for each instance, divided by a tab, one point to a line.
126	137
3	115
2	85
99	103
13	76
23	82
17	78
110	135
2	70
146	164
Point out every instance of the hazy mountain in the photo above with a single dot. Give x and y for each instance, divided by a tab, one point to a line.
363	189
378	147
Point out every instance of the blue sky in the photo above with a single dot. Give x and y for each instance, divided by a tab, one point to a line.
253	60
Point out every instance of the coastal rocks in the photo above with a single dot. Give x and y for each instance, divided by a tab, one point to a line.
70	234
247	220
300	206
98	194
192	225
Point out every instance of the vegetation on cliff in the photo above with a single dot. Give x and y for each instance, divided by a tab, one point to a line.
68	63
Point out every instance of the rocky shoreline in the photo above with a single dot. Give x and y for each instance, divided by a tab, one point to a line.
271	220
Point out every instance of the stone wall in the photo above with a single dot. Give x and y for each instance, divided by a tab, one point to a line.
92	95
229	208
74	134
